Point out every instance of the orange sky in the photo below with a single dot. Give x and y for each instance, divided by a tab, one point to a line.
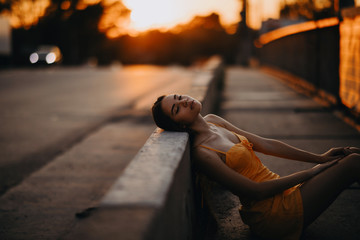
148	14
165	14
168	13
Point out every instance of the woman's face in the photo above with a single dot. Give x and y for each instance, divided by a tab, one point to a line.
181	108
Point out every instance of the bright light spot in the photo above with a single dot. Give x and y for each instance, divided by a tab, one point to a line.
34	57
165	14
50	58
26	12
65	5
152	14
261	10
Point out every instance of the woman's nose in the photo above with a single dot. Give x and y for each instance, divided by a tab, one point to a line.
183	102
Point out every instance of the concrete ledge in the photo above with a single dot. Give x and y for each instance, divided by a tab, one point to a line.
154	197
145	181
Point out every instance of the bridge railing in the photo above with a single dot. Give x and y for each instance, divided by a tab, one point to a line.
350	59
307	50
324	53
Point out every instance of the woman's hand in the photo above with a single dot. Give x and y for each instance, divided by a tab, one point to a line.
338	152
350	150
321	167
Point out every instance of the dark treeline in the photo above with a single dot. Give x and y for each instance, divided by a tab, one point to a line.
80	40
76	32
313	10
202	37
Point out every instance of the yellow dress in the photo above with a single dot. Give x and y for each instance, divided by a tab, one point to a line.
278	217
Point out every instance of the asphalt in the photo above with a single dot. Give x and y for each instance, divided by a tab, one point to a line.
259	102
101	123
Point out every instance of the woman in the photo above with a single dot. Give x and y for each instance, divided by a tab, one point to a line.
273	206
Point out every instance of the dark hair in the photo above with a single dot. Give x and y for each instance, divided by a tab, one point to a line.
162	120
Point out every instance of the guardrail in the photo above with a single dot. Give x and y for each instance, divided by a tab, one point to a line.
320	56
350	59
154	196
309	51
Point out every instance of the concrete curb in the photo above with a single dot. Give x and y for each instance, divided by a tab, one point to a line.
154	197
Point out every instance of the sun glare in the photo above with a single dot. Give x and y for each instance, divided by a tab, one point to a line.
152	14
165	14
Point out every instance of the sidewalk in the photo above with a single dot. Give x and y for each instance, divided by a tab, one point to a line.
264	105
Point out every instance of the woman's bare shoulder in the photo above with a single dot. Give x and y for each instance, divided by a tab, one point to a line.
202	154
214	119
207	161
199	151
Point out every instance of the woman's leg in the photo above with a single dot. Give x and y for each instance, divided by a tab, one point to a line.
320	191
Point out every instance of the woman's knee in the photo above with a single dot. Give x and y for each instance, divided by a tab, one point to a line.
354	156
353	161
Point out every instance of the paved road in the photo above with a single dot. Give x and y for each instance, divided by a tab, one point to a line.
80	128
45	111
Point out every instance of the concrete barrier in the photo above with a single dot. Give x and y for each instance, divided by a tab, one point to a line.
154	196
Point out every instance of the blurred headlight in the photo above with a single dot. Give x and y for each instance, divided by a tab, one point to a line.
34	58
50	58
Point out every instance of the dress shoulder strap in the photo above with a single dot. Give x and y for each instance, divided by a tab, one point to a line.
213	149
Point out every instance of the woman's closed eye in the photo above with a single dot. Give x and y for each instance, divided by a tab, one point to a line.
178	105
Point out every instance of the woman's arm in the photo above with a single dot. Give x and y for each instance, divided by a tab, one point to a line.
277	148
211	165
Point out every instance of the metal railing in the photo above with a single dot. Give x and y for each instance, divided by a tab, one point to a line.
324	53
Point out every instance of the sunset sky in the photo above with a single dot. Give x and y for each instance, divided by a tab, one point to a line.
165	14
161	14
168	13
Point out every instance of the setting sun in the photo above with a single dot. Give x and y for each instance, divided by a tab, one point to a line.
165	14
151	14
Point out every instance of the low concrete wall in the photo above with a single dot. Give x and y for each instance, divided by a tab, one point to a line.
154	197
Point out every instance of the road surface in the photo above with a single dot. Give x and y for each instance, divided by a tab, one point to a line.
45	111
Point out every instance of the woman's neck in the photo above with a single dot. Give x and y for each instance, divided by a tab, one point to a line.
200	129
199	125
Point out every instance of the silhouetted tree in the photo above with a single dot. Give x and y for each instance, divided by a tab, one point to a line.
71	25
203	36
310	9
82	32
